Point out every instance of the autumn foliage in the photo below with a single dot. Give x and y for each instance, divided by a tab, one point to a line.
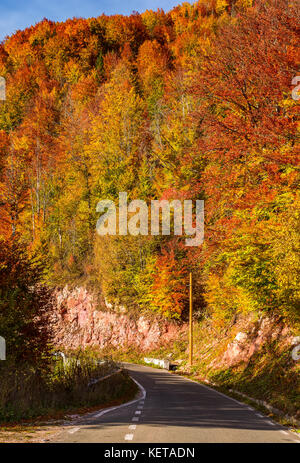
197	102
24	307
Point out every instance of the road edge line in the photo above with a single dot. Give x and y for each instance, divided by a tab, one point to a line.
243	404
144	393
234	400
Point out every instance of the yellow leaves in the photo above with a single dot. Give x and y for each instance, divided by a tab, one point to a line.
152	63
21	143
72	71
221	6
286	254
150	19
105	105
220	297
244	3
116	130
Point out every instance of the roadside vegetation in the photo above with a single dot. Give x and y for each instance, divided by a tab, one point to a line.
270	374
27	392
33	381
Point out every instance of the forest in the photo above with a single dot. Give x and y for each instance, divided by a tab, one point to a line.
195	103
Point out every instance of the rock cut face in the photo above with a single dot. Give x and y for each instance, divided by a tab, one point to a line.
78	322
246	344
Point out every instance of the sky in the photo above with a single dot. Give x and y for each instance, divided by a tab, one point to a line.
19	14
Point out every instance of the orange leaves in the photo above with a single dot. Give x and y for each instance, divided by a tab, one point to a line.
248	87
152	63
195	103
169	290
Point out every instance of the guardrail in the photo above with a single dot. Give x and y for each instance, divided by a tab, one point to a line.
98	380
159	362
67	359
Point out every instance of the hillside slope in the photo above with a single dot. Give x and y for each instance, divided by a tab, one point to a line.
193	104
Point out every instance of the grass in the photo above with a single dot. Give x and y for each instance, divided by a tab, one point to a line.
27	393
269	377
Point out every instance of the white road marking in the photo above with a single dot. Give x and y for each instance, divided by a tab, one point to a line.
138	412
214	390
71	431
97	415
140	407
205	387
221	393
132	427
128	436
271	423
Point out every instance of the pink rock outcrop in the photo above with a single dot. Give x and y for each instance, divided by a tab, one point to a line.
78	322
245	344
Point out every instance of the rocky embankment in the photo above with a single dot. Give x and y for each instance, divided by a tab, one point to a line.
263	332
258	356
79	321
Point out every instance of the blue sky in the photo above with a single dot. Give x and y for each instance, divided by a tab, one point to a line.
19	14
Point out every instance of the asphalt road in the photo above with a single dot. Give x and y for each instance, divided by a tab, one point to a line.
172	409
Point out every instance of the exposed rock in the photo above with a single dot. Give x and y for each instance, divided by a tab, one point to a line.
244	346
241	337
78	322
295	340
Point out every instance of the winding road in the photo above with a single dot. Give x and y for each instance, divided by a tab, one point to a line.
172	409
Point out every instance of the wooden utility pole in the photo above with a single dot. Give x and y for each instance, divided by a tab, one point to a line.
191	323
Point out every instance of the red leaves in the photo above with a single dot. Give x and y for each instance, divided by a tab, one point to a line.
191	104
170	285
244	88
